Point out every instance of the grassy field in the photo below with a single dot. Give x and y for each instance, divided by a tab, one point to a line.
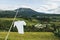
29	22
29	36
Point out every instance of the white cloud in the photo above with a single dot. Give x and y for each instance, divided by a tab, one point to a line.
54	0
49	5
25	6
12	7
46	7
7	7
42	8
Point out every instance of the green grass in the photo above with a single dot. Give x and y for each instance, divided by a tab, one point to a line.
34	21
29	36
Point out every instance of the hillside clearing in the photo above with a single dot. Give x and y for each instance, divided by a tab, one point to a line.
29	36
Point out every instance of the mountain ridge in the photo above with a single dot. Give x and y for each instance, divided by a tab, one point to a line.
24	12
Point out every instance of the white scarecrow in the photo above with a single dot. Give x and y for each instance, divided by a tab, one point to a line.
19	25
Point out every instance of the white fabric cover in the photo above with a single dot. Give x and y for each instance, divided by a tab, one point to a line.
19	25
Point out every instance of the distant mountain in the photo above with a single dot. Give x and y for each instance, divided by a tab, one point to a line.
27	13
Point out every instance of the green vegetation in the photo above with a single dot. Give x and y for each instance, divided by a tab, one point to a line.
29	36
31	17
5	24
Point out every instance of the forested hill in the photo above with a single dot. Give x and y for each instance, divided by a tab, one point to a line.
25	12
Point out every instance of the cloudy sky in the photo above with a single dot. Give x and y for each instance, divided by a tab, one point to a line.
47	6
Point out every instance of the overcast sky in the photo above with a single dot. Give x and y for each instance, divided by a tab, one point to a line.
38	5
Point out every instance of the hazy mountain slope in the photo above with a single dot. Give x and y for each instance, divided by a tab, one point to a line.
25	12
